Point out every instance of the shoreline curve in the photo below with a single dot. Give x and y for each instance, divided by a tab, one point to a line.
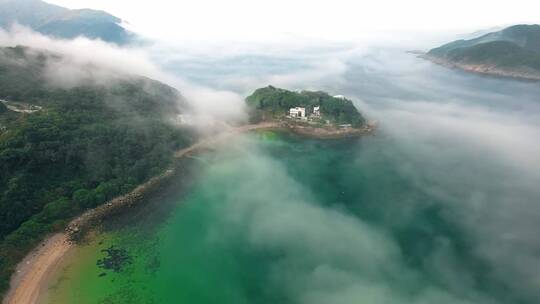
33	272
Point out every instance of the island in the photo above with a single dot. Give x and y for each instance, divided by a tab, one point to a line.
512	52
310	113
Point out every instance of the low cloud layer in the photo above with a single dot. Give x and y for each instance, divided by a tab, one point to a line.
84	61
467	147
319	253
466	144
470	141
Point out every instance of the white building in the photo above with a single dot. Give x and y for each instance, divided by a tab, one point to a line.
317	111
297	112
339	97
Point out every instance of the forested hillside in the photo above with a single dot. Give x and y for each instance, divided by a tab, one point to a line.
60	22
86	145
512	51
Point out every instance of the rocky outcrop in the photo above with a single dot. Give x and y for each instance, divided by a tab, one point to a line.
329	132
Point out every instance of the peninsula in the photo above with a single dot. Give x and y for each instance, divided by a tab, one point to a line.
513	52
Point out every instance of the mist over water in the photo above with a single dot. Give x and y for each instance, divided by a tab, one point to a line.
441	205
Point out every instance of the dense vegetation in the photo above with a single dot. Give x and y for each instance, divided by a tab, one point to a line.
271	103
502	54
87	145
514	48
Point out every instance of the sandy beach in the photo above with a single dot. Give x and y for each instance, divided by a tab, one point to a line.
33	272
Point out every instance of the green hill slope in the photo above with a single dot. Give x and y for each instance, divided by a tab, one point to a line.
61	22
503	54
86	145
512	51
524	36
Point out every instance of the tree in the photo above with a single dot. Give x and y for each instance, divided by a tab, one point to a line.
83	198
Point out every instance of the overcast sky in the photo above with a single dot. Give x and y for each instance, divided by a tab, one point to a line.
330	19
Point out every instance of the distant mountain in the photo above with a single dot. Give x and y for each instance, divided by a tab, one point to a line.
61	22
480	33
513	51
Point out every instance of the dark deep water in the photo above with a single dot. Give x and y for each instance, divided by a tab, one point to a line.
441	205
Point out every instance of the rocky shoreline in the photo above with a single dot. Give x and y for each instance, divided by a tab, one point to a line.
34	270
323	133
483	69
88	220
36	267
329	132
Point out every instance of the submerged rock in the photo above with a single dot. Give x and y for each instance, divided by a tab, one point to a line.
116	259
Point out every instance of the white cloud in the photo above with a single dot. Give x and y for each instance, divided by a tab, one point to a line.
319	254
212	20
84	59
434	128
83	51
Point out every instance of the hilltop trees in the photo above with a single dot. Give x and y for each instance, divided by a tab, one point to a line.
271	102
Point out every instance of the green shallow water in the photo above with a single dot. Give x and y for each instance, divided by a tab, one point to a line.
272	218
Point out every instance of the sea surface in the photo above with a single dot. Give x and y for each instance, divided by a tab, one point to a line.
440	205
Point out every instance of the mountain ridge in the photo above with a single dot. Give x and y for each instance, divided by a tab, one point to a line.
61	22
511	52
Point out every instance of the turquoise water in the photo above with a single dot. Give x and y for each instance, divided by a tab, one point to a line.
440	206
274	218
